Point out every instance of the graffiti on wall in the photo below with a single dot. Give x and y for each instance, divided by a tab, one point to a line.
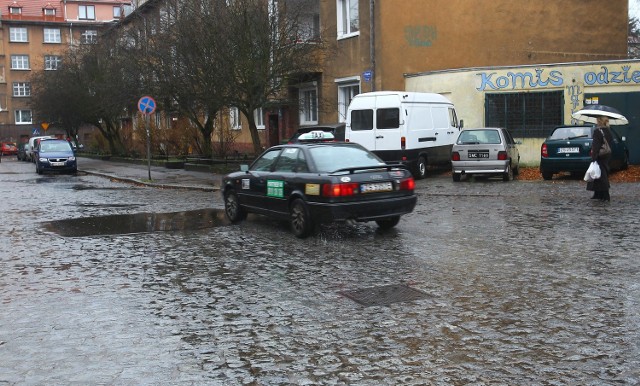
575	98
541	78
420	35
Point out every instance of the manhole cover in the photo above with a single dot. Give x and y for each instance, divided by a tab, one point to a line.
383	295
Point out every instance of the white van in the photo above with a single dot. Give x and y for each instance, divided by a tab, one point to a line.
30	155
416	129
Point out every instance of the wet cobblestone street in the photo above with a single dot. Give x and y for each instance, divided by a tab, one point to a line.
524	283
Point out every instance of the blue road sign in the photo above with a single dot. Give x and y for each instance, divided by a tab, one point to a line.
35	131
146	105
367	75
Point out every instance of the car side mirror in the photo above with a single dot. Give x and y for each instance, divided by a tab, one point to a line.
461	124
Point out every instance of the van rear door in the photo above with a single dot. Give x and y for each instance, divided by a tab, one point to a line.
360	122
389	117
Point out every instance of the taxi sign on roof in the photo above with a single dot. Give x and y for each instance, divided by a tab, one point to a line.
316	135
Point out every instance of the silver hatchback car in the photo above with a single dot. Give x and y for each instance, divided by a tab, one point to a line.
485	151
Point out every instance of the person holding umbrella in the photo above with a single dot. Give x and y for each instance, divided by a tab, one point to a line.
602	116
601	133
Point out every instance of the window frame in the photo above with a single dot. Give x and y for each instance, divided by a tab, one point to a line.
234	119
258	116
344	18
89	36
86	12
117	12
49	11
346	94
54	33
56	60
21	89
18	116
20	59
18	35
308	106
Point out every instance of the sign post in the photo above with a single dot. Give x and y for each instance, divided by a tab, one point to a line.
147	106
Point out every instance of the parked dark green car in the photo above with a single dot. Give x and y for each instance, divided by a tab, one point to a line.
568	149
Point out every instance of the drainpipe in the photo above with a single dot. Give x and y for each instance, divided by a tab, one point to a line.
372	43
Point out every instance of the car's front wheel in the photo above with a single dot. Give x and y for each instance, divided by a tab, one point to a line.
232	208
301	222
388	223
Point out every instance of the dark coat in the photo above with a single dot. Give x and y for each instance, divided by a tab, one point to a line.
602	183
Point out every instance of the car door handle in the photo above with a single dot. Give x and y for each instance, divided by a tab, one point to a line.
379	136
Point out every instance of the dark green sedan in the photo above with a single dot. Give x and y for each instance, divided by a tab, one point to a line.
316	181
568	149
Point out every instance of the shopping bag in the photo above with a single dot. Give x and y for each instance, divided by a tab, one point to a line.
593	173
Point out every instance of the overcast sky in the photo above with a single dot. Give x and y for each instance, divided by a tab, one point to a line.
634	8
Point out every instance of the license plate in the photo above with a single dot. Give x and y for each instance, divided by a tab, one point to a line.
378	187
57	163
478	155
568	150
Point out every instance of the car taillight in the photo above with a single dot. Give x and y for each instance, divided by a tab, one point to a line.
408	184
544	151
340	190
502	156
403	142
455	156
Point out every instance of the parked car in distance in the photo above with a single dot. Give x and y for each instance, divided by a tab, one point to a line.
55	155
9	148
568	149
485	151
23	148
33	142
318	180
337	129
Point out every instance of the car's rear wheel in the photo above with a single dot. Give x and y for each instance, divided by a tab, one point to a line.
508	175
456	177
420	171
232	208
301	222
547	176
388	223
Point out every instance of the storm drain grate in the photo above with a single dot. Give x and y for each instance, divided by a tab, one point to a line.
384	295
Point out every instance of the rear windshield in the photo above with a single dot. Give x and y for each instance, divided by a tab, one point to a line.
331	158
483	136
571	132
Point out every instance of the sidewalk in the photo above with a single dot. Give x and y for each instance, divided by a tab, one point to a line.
161	177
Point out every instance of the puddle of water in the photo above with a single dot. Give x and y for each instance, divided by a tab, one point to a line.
137	223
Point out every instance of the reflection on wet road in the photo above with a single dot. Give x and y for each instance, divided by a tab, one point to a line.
137	223
519	283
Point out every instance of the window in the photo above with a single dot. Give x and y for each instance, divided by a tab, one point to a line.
21	89
15	10
264	163
361	120
388	118
234	119
308	106
348	18
52	62
258	116
19	62
346	92
23	117
309	28
52	35
117	11
49	11
18	34
89	37
527	115
86	12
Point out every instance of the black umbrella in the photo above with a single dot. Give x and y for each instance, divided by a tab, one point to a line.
590	113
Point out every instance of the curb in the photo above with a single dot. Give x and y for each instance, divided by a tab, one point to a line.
152	184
